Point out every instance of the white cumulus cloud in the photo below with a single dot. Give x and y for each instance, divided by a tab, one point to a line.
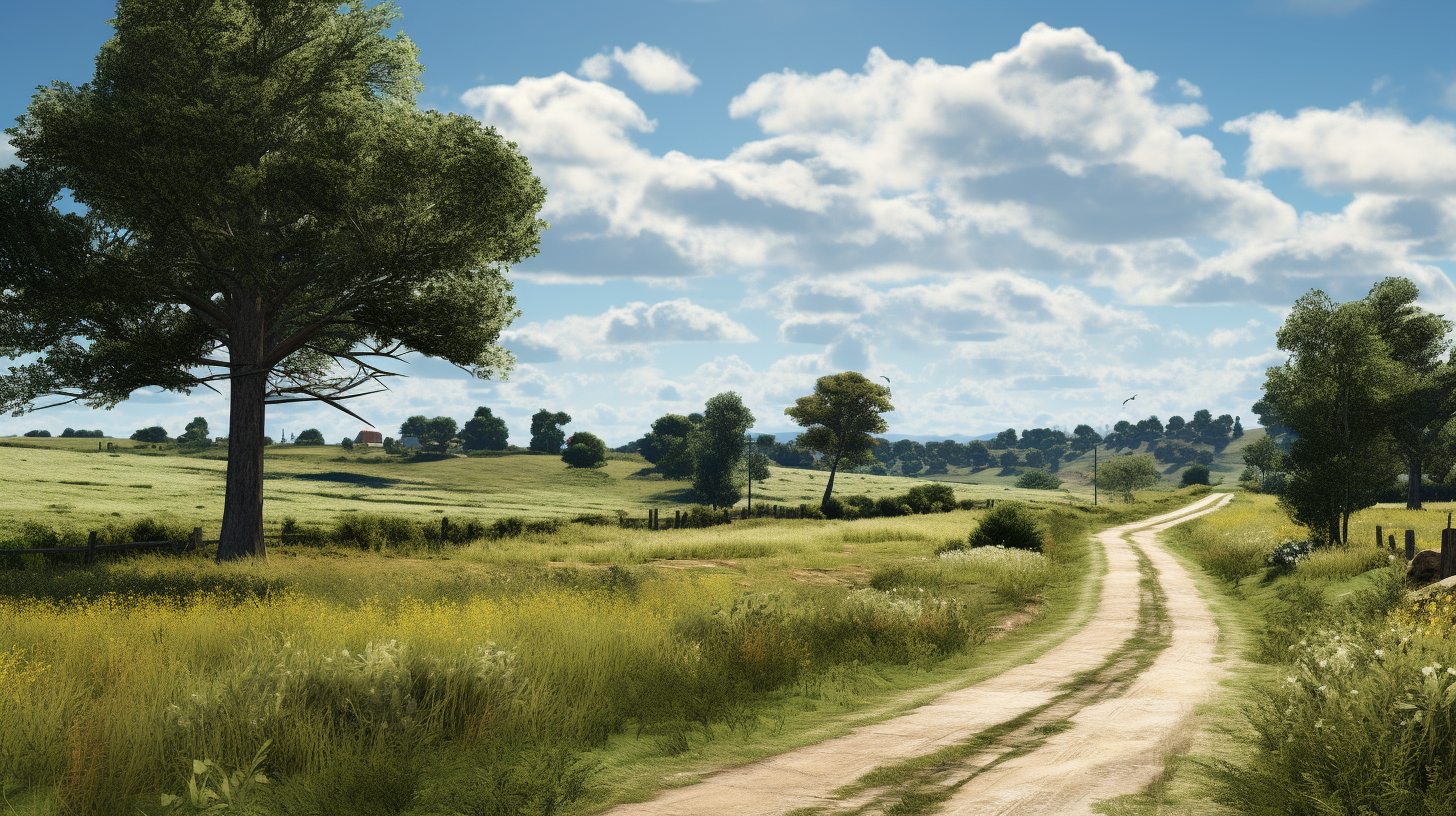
622	332
649	66
1353	149
1189	90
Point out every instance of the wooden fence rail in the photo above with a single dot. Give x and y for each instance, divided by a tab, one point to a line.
92	549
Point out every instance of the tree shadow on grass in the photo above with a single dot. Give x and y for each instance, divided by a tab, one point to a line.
360	479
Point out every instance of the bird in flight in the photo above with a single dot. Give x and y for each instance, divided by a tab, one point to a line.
883	377
1129	399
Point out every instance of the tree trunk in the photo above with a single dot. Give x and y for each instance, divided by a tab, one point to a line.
242	514
829	488
1413	489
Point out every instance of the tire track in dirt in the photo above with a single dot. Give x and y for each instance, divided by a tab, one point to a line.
1126	736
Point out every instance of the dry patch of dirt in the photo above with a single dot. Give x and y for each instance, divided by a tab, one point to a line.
697	563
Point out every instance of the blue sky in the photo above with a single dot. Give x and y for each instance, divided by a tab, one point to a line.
1020	212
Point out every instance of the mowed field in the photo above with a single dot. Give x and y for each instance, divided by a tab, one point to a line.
69	483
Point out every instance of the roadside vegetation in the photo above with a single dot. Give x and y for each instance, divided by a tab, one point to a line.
1344	697
548	666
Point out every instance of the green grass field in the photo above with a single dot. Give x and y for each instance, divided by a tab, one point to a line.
69	483
555	671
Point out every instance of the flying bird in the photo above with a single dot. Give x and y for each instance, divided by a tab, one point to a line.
1129	399
883	377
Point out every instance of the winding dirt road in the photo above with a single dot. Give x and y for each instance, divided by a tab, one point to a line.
1091	719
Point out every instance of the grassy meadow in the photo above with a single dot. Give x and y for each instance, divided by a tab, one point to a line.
1341	698
550	669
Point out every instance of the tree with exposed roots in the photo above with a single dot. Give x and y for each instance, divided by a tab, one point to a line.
841	416
266	210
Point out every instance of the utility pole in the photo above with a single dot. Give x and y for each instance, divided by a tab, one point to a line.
1094	475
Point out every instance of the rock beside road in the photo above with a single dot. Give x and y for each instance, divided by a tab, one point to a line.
1425	567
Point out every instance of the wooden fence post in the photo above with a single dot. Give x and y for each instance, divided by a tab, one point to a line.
1379	537
676	519
91	548
196	539
444	529
1392	542
1448	552
1410	545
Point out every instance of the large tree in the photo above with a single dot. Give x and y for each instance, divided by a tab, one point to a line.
1336	392
1416	340
546	433
484	431
666	446
840	416
264	207
717	449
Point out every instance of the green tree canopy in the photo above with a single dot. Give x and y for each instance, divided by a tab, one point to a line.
438	433
1264	456
717	449
484	431
263	204
1426	402
584	450
840	417
1335	391
667	448
195	433
155	435
312	436
1127	474
546	433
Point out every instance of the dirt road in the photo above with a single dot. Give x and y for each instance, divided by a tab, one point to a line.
1090	719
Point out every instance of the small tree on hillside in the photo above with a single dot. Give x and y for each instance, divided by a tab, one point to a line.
195	433
1127	474
1196	474
841	416
484	431
546	433
584	450
312	436
1009	460
1264	456
717	449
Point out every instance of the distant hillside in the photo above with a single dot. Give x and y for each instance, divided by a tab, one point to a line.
1076	474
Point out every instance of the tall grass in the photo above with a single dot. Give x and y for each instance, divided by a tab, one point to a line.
1017	576
108	700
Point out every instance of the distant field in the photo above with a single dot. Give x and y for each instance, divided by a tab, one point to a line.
69	483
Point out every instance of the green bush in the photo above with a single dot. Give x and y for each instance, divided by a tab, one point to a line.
1012	525
1038	480
1195	475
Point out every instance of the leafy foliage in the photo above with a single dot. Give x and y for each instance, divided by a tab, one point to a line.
1127	474
546	433
717	449
484	431
584	450
840	417
311	436
1038	480
155	435
262	200
1009	524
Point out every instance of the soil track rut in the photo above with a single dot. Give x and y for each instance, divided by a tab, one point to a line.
1093	749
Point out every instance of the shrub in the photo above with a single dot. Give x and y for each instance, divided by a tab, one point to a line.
833	508
888	506
45	433
1230	558
1038	480
1009	525
1195	475
347	444
1288	554
584	450
312	436
923	498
